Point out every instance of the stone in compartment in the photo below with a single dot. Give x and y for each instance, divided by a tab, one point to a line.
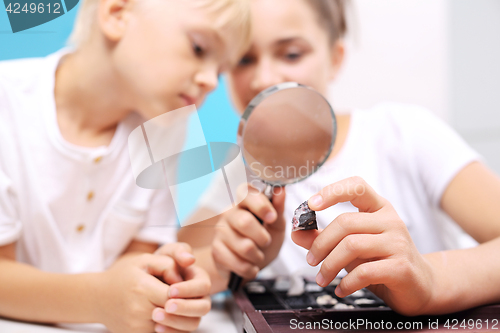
326	300
255	288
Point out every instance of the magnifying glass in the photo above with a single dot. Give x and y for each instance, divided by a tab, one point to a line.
286	134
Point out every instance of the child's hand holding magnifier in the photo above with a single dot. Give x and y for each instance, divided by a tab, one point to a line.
373	245
242	244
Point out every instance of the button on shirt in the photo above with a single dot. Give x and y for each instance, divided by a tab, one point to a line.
69	208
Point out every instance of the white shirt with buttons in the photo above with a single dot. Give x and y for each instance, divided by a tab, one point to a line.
69	209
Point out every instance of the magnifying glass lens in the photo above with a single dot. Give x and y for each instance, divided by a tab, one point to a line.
288	135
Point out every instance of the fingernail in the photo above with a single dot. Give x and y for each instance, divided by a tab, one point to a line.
158	316
173	292
269	242
270	217
338	291
316	200
311	260
160	329
186	255
320	280
171	308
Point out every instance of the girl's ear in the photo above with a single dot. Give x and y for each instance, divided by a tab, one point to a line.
337	53
113	16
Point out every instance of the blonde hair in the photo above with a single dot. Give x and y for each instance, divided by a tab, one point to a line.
231	14
84	22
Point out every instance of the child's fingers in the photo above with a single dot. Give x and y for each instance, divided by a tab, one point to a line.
188	307
176	322
259	204
242	246
197	284
170	274
181	252
160	328
279	195
352	247
364	275
353	189
156	291
231	262
305	238
156	265
196	273
244	190
164	329
161	266
345	224
248	226
355	263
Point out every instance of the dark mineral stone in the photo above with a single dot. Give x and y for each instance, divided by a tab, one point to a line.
304	218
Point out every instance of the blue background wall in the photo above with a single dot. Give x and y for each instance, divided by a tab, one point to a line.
217	117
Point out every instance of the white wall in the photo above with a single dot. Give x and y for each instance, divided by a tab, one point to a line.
397	52
475	75
441	54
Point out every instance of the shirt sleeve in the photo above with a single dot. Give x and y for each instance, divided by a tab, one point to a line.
161	223
438	153
10	224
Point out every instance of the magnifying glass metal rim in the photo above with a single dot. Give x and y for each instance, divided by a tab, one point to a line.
257	100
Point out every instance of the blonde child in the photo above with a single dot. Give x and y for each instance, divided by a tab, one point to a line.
396	244
78	238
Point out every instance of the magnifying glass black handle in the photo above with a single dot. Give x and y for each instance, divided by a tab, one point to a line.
235	280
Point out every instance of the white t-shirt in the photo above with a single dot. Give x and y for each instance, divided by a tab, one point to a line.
408	156
69	208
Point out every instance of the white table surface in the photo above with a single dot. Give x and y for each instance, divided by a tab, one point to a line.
216	321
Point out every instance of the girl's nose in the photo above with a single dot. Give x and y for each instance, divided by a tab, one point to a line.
265	76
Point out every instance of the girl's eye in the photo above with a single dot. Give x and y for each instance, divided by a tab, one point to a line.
293	56
245	61
198	50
